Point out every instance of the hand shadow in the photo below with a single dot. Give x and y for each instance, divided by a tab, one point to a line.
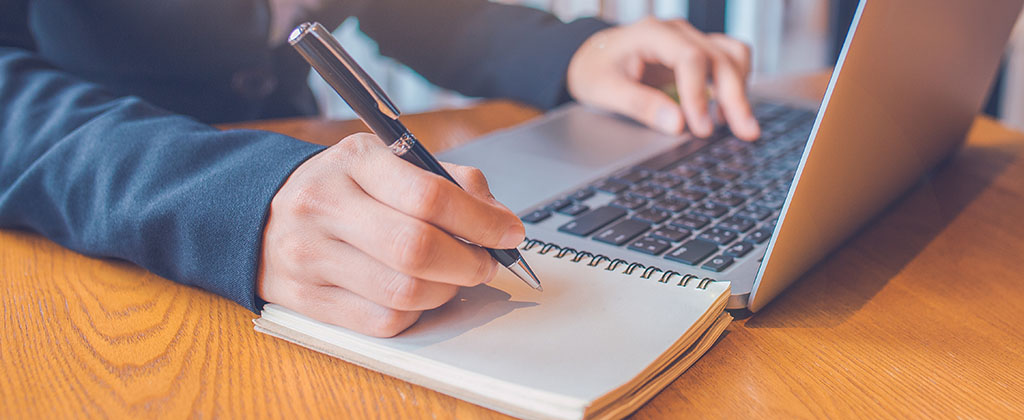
471	308
842	283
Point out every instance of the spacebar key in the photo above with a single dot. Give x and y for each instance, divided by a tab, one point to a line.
592	220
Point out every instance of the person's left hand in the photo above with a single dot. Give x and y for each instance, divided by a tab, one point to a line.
617	69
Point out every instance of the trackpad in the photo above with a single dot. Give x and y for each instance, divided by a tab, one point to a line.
562	150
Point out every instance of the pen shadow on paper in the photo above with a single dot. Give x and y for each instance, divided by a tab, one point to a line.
839	286
471	308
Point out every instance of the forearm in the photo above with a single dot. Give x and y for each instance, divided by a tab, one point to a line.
480	48
115	177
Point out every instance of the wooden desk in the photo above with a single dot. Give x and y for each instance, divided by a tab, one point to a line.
918	316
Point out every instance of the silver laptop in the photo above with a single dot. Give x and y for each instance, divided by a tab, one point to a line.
601	189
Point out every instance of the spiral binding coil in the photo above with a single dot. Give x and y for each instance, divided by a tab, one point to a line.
612	264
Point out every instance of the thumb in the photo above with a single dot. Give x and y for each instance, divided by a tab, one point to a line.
642	103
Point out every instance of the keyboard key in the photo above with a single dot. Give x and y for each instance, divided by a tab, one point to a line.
702	162
692	252
671	233
650	245
611	187
737	223
771	201
767	111
691	221
673	205
582	194
720	151
593	220
754	212
536	216
631	177
574	209
622	232
684	171
648	191
739	249
728	198
725	174
718	235
709	184
718	263
711	209
652	216
558	204
665	181
759	182
739	165
689	194
628	202
760	235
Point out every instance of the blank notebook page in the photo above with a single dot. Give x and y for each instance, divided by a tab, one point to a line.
590	331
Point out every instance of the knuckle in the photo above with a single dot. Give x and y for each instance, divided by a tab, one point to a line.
742	47
470	175
358	144
690	55
733	43
412	247
402	292
362	141
425	196
307	199
476	177
391	322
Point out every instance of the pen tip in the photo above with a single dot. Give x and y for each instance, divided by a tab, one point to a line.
522	270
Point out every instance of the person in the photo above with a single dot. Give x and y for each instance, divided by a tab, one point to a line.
106	147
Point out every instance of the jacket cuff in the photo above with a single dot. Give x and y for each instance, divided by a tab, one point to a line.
564	47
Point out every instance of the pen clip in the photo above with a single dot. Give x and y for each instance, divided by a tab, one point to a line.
374	91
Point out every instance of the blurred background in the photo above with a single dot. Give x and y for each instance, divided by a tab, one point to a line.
787	36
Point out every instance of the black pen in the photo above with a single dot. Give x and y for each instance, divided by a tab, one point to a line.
325	54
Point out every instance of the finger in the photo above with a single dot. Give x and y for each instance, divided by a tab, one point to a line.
353	270
736	50
406	244
675	46
474	182
728	77
344	308
730	91
431	198
471	179
642	103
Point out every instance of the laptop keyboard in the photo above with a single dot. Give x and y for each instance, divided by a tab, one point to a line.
706	203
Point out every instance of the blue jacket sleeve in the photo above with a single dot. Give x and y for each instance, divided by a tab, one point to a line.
480	48
116	177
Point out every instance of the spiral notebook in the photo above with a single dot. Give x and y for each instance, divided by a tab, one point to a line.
601	340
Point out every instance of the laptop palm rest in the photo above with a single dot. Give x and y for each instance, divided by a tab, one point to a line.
556	153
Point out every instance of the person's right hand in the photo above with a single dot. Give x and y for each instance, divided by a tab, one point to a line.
360	238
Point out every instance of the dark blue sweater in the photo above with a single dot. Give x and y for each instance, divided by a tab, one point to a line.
105	145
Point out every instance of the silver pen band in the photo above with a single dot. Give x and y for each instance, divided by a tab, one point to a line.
402	146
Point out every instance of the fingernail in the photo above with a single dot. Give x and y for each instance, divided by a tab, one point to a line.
512	237
667	119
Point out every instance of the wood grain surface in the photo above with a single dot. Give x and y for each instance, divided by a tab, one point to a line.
919	315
